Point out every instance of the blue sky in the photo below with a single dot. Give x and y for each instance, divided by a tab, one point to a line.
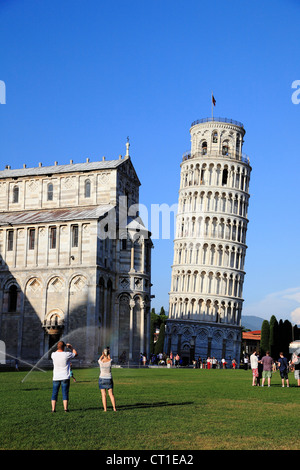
81	76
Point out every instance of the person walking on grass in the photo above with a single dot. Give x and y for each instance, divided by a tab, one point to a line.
105	379
267	363
283	369
61	373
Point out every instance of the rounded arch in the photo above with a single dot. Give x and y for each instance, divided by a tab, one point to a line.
54	316
52	277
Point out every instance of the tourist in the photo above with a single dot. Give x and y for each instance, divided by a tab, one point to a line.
144	359
246	362
233	363
224	363
267	363
283	369
260	368
296	363
105	379
254	367
61	373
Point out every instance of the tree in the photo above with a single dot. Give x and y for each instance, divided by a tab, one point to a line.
265	337
287	334
153	319
296	333
281	336
162	318
157	321
274	338
159	345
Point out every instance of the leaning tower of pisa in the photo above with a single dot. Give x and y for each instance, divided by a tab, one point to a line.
205	300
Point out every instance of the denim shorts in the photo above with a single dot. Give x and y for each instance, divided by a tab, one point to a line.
105	384
65	385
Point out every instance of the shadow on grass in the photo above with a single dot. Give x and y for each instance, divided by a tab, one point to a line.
142	405
153	405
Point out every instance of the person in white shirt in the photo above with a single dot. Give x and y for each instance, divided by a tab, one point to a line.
254	367
61	373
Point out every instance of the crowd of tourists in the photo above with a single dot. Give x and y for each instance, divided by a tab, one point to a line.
264	367
175	360
262	370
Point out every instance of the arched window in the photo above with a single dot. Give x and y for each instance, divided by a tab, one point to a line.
12	298
215	137
50	192
225	148
224	176
204	148
10	240
74	236
16	194
54	319
31	238
52	237
87	188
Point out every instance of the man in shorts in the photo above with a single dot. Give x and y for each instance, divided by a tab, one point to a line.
283	369
267	363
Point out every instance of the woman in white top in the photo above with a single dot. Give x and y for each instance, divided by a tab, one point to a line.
105	379
254	367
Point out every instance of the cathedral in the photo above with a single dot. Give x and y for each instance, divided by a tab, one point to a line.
74	258
205	300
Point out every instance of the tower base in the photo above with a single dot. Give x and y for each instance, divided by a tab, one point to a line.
191	340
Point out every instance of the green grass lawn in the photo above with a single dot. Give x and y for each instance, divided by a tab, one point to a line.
158	409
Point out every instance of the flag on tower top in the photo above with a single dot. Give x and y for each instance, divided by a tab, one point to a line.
213	99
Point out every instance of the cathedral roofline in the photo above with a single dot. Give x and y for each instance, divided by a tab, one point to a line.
56	169
54	215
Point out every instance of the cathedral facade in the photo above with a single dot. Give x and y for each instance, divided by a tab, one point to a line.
205	300
75	262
